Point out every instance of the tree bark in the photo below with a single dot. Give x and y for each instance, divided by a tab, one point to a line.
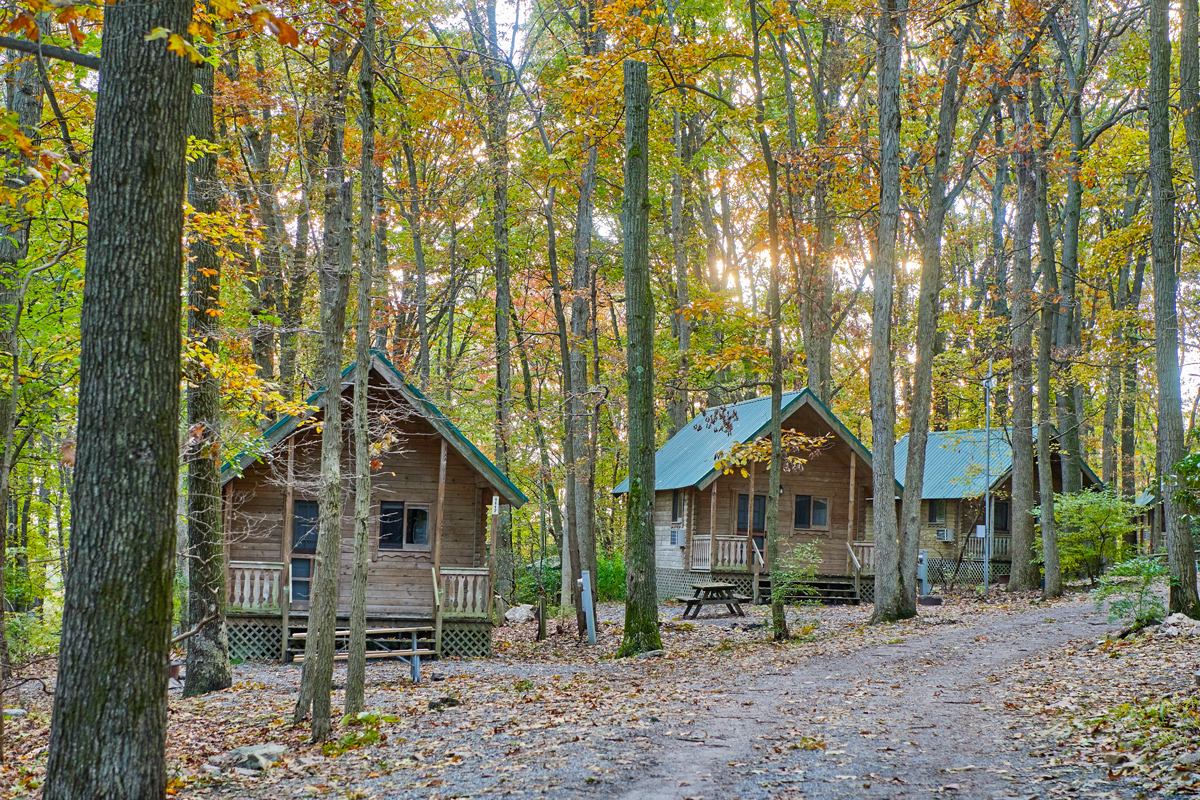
892	594
1049	306
208	667
1025	574
1180	549
356	667
641	592
774	477
1189	83
316	681
108	730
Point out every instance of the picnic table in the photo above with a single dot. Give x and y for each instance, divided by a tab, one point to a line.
713	594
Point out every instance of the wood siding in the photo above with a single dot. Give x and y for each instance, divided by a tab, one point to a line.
400	582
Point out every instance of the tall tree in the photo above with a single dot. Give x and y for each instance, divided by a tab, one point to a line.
895	594
356	668
1025	573
316	681
774	476
208	666
108	730
1180	549
641	593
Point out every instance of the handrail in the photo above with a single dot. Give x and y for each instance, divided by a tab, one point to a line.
854	558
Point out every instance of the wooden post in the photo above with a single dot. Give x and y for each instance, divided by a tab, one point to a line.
439	512
712	527
227	525
750	563
853	497
285	578
492	555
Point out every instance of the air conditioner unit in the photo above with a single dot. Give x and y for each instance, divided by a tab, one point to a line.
678	537
945	534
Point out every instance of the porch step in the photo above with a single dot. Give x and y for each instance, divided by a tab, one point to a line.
827	591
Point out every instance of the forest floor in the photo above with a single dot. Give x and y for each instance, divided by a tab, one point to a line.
1008	697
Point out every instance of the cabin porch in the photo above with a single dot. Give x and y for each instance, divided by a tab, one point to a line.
457	622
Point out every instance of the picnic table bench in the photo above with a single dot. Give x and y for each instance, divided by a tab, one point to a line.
713	594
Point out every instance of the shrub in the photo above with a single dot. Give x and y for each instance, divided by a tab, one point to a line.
1129	589
1091	531
793	573
610	577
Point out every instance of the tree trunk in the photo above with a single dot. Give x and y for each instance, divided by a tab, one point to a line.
892	594
1129	380
208	667
356	667
778	616
1189	83
1049	305
496	141
316	681
108	730
1025	573
579	401
641	592
1180	549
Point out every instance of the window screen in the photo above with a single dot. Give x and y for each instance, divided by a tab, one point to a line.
760	512
417	533
937	511
301	578
304	526
804	509
1000	516
391	526
820	512
675	505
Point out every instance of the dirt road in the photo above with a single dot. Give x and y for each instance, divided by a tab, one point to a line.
920	716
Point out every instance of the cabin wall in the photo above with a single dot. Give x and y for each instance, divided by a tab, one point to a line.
827	474
399	582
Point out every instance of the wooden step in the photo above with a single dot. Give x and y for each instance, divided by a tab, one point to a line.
374	654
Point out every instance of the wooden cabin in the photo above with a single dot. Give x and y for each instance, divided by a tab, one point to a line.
431	490
705	529
952	501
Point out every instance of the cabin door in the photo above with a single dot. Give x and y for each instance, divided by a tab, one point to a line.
759	537
305	514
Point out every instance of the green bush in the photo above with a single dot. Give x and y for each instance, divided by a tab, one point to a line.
1091	531
1129	590
532	579
610	577
792	574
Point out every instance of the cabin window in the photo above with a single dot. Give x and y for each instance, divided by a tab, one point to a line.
391	526
675	517
416	533
937	511
304	526
811	512
760	512
301	579
1000	516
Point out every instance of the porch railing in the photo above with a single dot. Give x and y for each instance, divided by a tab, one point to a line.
1001	548
255	586
730	552
701	554
466	593
864	556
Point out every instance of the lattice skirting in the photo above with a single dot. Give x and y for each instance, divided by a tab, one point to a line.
866	591
255	638
941	571
741	581
672	583
467	639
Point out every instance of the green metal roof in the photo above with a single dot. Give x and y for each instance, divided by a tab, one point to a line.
687	457
955	462
380	363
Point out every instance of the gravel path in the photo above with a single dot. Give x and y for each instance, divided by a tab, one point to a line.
921	716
